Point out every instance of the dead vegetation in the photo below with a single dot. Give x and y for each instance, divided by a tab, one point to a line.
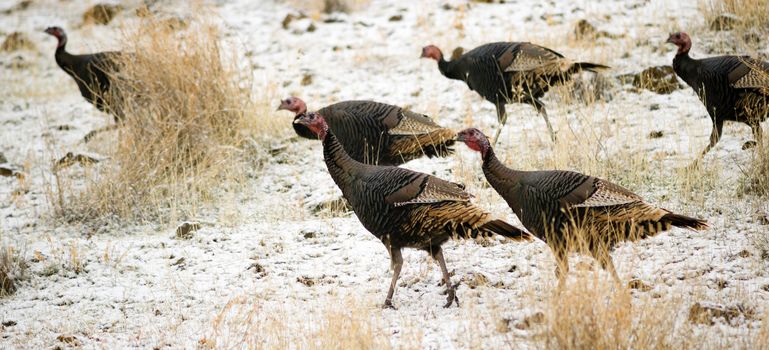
315	7
746	21
594	314
193	125
12	269
101	14
245	322
17	41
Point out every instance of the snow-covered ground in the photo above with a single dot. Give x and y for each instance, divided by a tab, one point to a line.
280	265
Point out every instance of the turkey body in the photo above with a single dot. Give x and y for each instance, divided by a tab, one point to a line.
91	73
513	72
408	209
571	211
732	88
379	133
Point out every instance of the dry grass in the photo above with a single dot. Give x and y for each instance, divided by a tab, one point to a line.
247	323
12	269
315	7
193	129
748	33
751	13
593	314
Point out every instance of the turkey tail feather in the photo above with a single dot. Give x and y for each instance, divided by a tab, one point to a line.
504	229
684	221
591	67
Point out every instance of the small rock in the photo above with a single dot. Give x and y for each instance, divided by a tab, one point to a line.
721	283
306	79
186	230
475	279
179	262
311	28
744	253
458	51
68	339
752	37
21	6
9	323
705	313
660	79
528	321
309	234
307	281
395	18
11	171
17	41
64	127
70	159
2	158
513	268
331	6
654	107
289	18
656	134
725	21
765	287
638	284
584	30
258	269
101	14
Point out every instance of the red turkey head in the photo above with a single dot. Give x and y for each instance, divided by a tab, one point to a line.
315	122
293	104
474	139
681	40
58	33
432	51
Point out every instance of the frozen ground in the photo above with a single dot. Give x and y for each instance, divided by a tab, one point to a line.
135	286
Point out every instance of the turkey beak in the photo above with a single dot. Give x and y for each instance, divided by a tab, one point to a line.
423	55
460	138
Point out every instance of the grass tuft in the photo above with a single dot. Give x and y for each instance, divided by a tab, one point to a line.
193	127
12	269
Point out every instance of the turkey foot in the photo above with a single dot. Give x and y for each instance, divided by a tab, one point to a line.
388	304
452	298
442	282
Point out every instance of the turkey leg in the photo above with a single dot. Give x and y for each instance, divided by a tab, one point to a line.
541	109
437	253
396	262
502	118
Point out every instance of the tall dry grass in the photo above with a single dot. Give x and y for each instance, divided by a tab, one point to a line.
593	314
748	32
751	13
194	127
247	323
12	269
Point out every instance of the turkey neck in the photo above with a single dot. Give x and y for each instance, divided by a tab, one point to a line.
686	68
63	58
340	165
450	69
501	178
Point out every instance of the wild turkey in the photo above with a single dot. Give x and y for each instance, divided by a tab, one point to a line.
510	72
733	88
404	208
92	73
572	211
378	133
